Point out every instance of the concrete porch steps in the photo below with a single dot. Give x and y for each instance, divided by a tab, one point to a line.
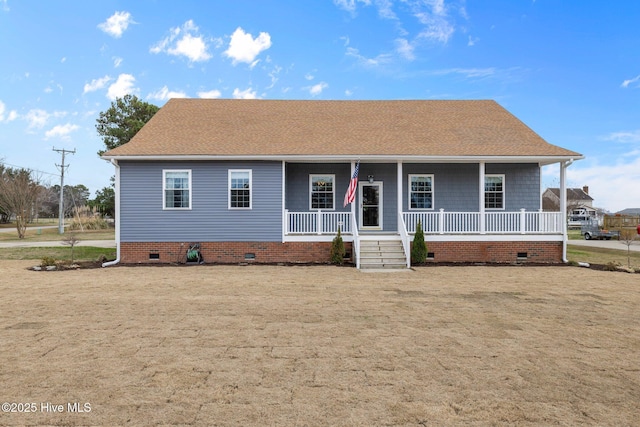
382	254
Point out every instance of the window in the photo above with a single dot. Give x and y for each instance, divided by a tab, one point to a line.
322	191
177	189
494	191
421	191
239	189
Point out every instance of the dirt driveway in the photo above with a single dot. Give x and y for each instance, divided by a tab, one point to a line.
257	345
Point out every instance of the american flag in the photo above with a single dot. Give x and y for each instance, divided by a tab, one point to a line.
350	195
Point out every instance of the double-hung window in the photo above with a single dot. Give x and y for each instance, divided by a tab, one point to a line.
239	189
494	191
177	189
322	192
420	191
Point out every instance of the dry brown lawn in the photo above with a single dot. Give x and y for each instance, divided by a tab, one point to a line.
297	346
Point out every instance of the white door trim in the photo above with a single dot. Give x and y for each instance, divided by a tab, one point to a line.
361	225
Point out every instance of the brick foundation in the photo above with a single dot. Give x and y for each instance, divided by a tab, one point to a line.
318	252
228	252
496	252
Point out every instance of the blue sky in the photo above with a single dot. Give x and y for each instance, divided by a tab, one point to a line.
569	70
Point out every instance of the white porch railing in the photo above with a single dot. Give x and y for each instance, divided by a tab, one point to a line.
318	222
521	222
406	240
438	222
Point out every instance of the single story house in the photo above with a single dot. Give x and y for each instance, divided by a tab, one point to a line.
264	181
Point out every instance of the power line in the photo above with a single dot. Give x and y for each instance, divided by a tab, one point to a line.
30	169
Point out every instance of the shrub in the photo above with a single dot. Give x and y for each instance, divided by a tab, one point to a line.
337	250
612	266
85	218
419	247
48	261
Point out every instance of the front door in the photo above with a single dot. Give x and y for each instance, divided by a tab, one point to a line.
371	205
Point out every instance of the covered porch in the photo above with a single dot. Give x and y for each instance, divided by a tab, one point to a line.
385	207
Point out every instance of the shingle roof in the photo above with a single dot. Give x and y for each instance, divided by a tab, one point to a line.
272	128
572	194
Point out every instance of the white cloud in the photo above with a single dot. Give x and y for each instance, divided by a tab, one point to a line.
123	86
211	94
12	114
96	84
350	5
384	58
5	5
437	27
626	83
165	94
61	131
624	136
244	48
613	187
472	41
405	49
184	41
244	94
117	24
37	118
273	74
467	72
317	89
117	61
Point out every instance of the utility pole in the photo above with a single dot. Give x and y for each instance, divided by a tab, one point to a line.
62	168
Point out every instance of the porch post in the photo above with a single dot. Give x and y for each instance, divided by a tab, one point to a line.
481	167
353	205
400	194
563	206
284	210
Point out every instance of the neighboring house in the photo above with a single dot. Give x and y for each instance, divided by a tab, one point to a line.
579	206
264	180
576	198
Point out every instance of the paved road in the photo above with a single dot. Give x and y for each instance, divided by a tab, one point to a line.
609	244
49	243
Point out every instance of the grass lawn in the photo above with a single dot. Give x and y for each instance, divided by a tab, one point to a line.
39	234
61	253
320	346
601	255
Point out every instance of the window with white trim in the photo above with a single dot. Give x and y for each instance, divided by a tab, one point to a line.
494	191
239	189
176	185
322	192
420	191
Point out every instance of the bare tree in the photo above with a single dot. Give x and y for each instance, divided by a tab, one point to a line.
71	240
18	196
628	236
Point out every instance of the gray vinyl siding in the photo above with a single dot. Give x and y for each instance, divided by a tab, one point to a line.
143	218
522	185
456	188
297	187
